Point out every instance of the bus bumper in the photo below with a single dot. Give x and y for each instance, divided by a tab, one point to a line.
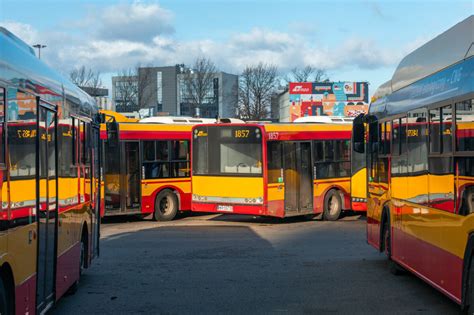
359	206
228	208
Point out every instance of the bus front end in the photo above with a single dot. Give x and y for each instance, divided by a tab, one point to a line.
227	169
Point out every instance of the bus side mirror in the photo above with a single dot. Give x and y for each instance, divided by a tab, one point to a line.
112	133
358	134
359	147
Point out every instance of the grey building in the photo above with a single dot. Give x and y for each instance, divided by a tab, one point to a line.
161	89
158	88
220	100
101	96
124	94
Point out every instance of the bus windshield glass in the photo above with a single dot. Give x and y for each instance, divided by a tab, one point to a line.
229	150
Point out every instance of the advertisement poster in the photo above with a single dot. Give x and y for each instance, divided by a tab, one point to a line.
328	99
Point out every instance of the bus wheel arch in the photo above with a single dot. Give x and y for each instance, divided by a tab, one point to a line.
7	284
384	229
166	205
467	293
333	204
84	243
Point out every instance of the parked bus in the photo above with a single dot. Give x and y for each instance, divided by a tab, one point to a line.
50	185
147	165
277	170
420	154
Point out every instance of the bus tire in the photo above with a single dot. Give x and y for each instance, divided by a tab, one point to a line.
394	268
166	206
332	205
469	298
6	306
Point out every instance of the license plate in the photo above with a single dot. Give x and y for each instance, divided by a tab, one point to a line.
225	208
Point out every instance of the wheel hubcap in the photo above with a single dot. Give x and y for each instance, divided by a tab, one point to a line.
333	205
166	204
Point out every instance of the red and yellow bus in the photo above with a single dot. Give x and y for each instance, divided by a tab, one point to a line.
147	165
50	185
420	151
277	170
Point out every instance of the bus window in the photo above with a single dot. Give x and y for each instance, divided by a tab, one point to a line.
180	158
466	185
440	167
156	161
22	155
275	165
148	150
417	150
447	139
435	131
403	146
464	122
465	142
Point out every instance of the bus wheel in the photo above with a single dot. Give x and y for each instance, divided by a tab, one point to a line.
166	206
332	206
4	301
387	249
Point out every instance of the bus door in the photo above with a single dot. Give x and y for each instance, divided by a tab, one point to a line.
131	178
297	177
47	210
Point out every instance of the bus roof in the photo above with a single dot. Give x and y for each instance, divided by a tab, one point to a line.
324	119
117	116
425	75
21	69
177	120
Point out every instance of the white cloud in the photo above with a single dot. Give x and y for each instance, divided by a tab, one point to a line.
24	31
134	22
128	34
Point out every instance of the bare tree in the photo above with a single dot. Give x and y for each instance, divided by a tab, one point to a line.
126	85
134	85
197	82
257	84
307	74
147	89
86	78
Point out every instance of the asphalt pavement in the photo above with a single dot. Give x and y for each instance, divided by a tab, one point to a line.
207	264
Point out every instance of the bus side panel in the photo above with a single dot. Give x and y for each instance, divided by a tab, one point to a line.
23	263
428	250
25	296
276	200
359	189
150	188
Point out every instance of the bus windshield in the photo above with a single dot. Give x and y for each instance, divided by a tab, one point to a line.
230	150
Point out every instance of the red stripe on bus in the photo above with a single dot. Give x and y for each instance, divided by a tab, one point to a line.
188	179
311	135
152	135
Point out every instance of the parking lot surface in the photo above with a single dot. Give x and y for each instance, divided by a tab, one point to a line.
243	264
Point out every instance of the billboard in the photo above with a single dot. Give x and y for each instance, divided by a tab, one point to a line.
328	99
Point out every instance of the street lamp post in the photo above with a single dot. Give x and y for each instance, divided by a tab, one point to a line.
39	46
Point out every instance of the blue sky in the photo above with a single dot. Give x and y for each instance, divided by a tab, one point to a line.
351	40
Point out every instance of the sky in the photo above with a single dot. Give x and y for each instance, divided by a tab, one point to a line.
350	40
